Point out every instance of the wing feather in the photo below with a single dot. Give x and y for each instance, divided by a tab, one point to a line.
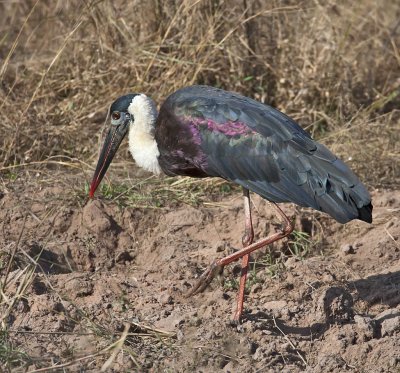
267	152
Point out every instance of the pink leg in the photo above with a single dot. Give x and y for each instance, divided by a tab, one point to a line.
247	240
217	265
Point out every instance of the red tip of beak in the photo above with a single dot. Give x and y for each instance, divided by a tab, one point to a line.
92	189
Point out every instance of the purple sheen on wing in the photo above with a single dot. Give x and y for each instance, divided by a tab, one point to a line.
195	125
229	129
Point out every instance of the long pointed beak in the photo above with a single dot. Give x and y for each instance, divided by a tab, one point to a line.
110	147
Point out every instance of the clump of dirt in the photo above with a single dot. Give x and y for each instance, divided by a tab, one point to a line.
101	269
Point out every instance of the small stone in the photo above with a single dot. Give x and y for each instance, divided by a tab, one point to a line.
258	355
389	224
328	277
239	327
394	361
387	314
78	287
226	296
123	257
347	249
23	306
95	219
389	326
253	346
230	367
256	288
220	246
336	305
37	349
165	298
275	305
179	335
291	262
330	363
278	308
366	326
195	321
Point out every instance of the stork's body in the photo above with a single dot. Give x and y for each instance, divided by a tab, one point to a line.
202	131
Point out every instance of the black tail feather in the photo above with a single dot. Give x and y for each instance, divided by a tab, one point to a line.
365	213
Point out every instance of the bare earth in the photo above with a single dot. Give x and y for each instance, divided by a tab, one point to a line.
101	269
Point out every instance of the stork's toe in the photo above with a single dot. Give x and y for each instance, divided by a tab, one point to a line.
205	279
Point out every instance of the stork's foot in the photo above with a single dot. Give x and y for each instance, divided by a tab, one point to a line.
206	278
234	322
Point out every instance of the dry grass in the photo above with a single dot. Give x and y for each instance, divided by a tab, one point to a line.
333	66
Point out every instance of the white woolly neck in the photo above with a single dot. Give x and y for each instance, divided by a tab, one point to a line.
142	144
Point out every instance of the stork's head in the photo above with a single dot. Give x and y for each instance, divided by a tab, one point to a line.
121	119
138	113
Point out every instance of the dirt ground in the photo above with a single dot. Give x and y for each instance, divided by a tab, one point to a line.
94	284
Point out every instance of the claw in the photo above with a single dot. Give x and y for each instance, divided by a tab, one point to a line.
205	279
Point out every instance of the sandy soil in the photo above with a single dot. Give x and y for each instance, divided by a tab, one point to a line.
99	269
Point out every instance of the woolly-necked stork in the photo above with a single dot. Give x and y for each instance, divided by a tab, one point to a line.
202	131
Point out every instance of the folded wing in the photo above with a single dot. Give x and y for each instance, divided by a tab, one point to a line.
265	151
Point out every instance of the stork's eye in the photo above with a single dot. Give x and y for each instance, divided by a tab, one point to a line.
116	115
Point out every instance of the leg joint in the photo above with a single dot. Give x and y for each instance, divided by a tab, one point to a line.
288	228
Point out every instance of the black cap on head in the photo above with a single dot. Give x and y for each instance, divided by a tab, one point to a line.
122	103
